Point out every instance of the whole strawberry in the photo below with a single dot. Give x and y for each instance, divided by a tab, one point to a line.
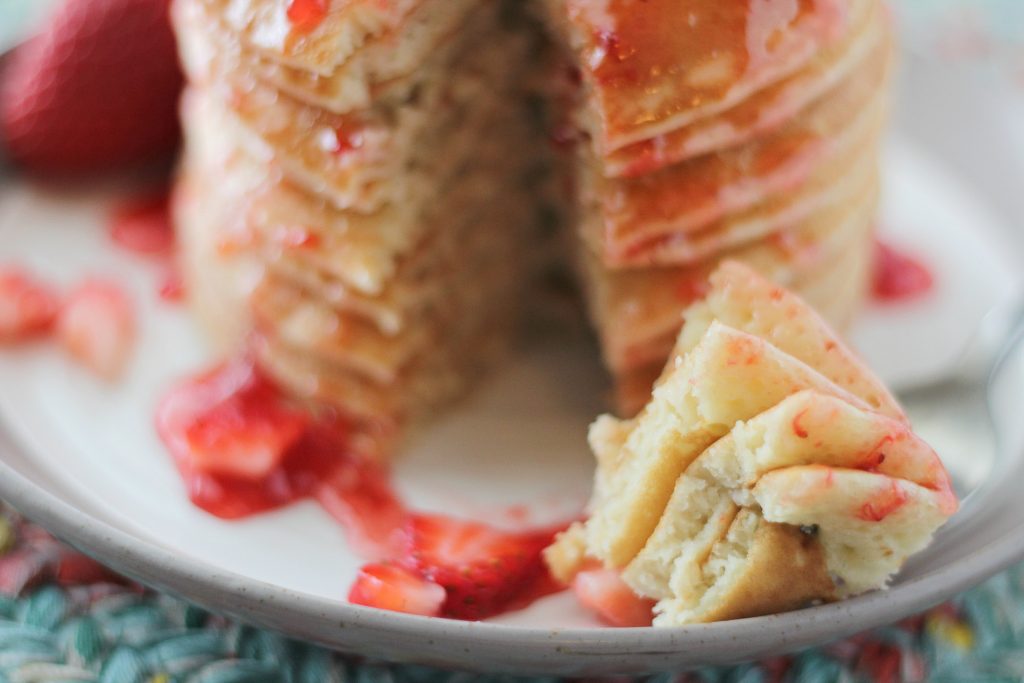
96	89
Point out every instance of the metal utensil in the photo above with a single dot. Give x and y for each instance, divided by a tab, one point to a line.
955	412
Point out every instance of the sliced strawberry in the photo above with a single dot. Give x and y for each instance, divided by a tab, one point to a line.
898	276
27	306
143	225
96	88
230	422
604	592
243	437
96	325
481	568
390	587
280	453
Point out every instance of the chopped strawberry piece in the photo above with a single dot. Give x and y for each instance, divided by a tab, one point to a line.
143	225
604	592
229	422
242	437
898	276
96	325
27	307
481	568
288	465
390	587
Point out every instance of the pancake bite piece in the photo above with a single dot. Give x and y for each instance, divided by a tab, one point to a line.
769	471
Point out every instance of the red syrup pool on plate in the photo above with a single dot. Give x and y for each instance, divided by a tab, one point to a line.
899	276
142	224
242	448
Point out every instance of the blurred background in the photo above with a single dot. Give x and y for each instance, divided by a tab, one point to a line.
963	70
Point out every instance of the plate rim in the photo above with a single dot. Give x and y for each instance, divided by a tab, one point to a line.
484	646
487	646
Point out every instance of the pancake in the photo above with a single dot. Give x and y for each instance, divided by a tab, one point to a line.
849	274
652	66
760	114
632	307
741	374
669	214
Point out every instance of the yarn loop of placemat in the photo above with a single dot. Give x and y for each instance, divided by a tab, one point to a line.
65	619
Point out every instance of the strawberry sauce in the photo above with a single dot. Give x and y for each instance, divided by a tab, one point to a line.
242	448
898	276
142	224
883	504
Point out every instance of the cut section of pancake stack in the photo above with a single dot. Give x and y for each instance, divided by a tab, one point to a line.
746	130
369	188
359	194
769	470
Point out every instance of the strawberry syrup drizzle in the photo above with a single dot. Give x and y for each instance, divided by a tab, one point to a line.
898	276
348	139
798	428
234	410
306	15
883	504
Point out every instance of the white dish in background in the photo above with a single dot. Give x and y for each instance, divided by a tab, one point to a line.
83	458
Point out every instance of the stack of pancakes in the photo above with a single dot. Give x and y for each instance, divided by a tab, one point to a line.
358	201
369	188
713	129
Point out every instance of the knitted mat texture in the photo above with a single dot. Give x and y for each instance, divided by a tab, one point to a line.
66	619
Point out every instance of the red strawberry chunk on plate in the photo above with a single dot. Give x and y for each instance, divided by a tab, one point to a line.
229	422
482	569
27	307
96	326
391	587
243	438
143	225
604	592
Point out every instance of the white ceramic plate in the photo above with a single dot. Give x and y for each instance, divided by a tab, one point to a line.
82	457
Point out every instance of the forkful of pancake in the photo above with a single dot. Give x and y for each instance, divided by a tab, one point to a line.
770	470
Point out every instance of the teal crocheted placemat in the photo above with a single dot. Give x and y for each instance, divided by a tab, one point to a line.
65	619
